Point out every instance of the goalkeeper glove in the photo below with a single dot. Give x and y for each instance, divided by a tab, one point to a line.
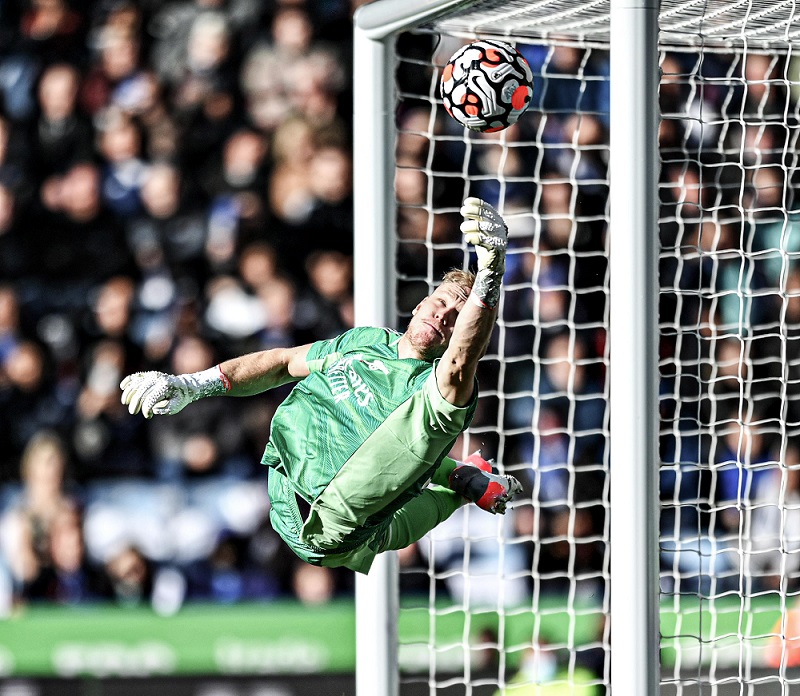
157	393
486	230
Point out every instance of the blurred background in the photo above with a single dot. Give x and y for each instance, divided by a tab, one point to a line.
175	189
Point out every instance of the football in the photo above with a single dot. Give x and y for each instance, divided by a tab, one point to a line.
486	86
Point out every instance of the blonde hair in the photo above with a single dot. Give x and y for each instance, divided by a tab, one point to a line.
463	279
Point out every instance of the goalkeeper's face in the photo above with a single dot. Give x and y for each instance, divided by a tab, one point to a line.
433	319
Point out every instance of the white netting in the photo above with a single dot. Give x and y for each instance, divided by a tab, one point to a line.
523	600
730	536
498	602
681	22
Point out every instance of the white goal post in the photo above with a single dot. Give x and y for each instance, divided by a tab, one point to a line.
638	35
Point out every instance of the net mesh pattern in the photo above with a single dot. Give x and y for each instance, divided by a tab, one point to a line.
526	589
690	22
521	601
730	238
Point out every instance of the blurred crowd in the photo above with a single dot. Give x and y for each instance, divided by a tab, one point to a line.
175	189
730	316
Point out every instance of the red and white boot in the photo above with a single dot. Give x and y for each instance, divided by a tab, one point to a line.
474	480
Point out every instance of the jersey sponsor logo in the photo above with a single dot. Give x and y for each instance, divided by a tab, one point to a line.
345	382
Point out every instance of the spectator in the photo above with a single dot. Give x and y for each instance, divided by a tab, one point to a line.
565	83
313	585
475	578
503	157
317	83
551	479
111	316
742	465
206	443
172	25
229	575
278	299
289	188
115	76
29	525
234	313
160	128
327	309
568	388
72	579
572	552
52	30
782	376
240	169
171	226
106	443
203	94
60	137
330	223
120	144
420	230
258	266
772	546
537	278
235	185
29	402
272	69
13	159
743	461
131	576
763	94
78	243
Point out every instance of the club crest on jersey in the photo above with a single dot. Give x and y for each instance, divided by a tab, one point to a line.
377	365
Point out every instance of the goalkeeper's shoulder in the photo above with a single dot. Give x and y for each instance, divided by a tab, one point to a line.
362	337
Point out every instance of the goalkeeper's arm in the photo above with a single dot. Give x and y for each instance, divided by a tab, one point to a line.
257	372
158	393
484	227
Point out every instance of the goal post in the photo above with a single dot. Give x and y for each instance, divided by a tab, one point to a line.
633	335
374	304
375	29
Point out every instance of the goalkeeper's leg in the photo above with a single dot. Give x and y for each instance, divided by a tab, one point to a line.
456	483
419	515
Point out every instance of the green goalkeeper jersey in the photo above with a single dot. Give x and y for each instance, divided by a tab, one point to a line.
357	439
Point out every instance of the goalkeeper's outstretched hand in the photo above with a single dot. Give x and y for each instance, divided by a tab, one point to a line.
156	393
160	394
484	227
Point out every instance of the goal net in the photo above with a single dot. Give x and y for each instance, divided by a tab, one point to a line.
519	604
519	598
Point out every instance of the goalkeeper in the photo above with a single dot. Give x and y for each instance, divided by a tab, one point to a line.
368	425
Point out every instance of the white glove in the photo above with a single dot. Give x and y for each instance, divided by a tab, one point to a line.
486	230
157	393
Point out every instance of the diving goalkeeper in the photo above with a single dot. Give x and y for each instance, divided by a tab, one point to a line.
370	422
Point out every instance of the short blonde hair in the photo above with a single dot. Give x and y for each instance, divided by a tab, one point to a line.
463	279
